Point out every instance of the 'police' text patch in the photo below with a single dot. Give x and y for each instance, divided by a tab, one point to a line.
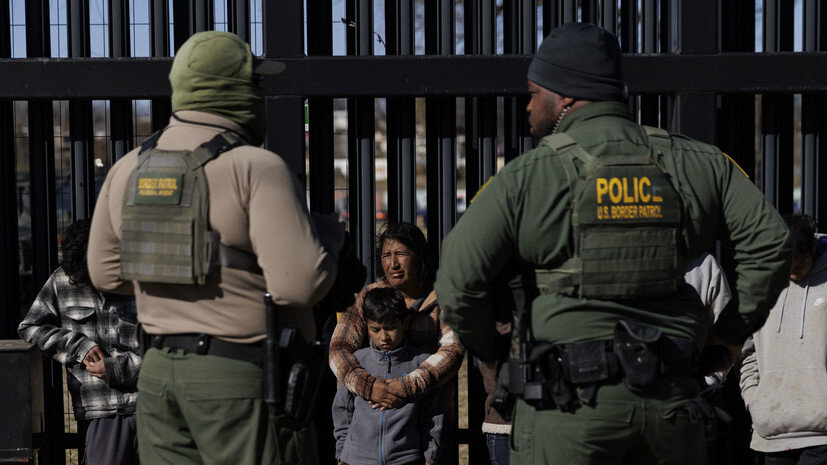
627	198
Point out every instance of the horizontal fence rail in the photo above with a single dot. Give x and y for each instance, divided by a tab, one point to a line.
419	75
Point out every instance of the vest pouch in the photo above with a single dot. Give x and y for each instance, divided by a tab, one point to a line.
636	346
586	362
622	263
157	249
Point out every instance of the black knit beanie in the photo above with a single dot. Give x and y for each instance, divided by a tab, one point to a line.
580	60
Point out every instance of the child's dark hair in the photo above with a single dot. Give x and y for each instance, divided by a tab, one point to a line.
384	304
74	242
802	233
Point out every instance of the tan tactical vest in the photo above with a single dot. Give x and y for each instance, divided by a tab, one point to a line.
165	234
626	216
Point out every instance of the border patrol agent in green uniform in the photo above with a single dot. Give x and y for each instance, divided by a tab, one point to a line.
607	212
202	223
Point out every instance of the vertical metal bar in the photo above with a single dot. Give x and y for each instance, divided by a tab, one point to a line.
361	133
202	15
9	245
511	110
159	31
628	26
589	11
551	15
650	26
182	24
736	118
44	221
649	104
120	110
41	152
441	131
820	169
569	13
809	120
777	114
479	165
528	45
487	106
520	30
320	113
695	113
80	119
608	16
667	44
321	181
238	18
284	37
628	39
473	176
401	118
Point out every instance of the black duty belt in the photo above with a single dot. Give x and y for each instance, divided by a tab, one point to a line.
204	344
560	368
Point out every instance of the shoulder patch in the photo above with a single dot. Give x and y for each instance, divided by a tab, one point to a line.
482	188
736	165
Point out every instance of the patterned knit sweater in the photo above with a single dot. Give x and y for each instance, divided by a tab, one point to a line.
426	332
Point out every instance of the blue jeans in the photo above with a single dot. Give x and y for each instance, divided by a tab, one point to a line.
807	456
498	448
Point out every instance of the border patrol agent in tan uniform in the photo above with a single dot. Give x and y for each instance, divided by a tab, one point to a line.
608	212
202	223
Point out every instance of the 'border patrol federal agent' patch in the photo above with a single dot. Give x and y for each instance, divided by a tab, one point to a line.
159	188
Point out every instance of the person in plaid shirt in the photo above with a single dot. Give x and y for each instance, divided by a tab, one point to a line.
94	335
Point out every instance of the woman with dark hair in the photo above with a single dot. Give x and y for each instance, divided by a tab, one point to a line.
406	266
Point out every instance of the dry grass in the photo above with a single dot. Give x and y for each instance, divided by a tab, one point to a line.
462	407
69	423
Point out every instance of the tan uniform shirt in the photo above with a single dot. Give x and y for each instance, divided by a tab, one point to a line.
257	205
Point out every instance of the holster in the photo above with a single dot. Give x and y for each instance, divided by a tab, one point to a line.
510	382
303	372
636	347
292	368
540	381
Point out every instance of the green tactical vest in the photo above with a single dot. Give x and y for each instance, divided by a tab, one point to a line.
165	234
626	216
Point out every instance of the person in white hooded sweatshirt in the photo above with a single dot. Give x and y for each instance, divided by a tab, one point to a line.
784	371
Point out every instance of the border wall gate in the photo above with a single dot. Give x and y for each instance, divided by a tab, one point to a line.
449	90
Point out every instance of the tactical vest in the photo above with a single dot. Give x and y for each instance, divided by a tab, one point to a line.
165	234
626	218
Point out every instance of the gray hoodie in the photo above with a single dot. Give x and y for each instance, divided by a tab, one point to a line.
407	434
784	372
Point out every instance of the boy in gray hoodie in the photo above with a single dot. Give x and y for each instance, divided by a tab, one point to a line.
783	375
406	435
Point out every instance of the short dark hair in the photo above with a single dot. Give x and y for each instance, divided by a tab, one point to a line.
411	237
74	242
384	304
802	233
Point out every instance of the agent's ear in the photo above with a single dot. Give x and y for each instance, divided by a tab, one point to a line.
407	322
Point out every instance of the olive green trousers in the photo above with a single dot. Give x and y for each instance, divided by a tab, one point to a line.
205	409
622	428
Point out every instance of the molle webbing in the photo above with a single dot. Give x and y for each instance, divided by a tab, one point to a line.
165	236
626	215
